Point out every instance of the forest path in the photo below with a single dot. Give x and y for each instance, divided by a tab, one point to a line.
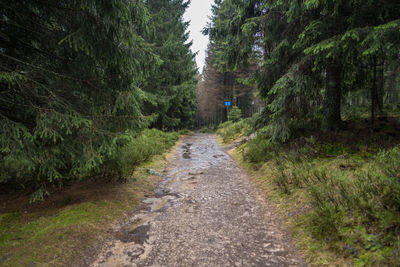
206	213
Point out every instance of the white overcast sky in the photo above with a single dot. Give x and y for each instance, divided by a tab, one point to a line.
197	13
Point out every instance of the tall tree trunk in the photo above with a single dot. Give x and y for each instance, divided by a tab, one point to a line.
374	97
380	84
332	107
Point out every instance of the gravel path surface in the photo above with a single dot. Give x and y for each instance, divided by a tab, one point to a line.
205	213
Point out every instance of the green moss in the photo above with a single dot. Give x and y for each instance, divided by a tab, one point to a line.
48	235
59	238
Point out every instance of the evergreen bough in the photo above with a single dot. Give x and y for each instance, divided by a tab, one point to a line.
235	114
75	85
310	54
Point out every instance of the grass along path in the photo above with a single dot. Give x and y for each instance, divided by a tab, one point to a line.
340	200
291	209
72	225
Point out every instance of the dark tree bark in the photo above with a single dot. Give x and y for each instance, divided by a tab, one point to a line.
332	106
374	96
380	84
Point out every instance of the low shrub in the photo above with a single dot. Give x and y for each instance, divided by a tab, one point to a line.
119	158
355	112
326	221
235	114
364	197
208	129
184	132
261	149
230	131
142	148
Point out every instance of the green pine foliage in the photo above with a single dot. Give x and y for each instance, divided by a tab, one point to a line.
172	86
319	62
235	114
75	79
312	56
142	148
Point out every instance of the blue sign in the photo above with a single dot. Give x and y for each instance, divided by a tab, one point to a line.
227	103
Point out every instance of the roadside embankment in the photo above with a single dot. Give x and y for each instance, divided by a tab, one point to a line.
338	192
75	220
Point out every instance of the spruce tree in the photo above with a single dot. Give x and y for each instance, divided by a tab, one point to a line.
235	114
310	53
71	74
171	87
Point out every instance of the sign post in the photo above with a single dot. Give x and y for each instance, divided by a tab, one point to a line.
227	105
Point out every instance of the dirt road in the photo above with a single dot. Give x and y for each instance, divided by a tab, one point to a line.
205	213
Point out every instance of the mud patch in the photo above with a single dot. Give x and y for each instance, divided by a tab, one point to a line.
186	151
162	189
189	178
135	254
139	235
163	209
165	192
196	173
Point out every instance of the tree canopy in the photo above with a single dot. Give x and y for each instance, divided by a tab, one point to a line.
77	78
313	56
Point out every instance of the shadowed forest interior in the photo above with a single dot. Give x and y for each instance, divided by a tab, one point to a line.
93	94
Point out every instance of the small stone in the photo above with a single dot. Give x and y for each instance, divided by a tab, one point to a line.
149	200
190	178
153	172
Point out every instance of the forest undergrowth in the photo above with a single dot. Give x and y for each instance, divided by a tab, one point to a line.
338	191
77	218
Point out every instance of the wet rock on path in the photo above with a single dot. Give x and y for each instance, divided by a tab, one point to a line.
205	213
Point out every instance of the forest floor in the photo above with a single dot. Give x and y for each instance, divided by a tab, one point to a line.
75	220
205	213
333	190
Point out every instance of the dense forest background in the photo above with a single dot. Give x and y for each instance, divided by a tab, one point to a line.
325	147
311	62
89	90
80	80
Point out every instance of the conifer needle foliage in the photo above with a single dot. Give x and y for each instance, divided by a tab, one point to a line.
75	77
313	56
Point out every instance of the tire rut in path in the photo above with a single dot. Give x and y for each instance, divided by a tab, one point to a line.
205	213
